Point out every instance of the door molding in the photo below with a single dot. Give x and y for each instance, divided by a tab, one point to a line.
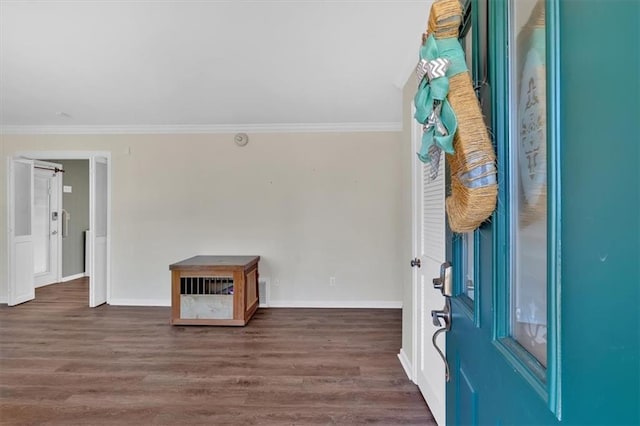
429	246
75	155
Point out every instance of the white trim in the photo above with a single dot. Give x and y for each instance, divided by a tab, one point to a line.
109	208
438	409
140	302
201	128
406	364
277	304
8	205
73	277
373	304
72	155
416	138
62	155
47	284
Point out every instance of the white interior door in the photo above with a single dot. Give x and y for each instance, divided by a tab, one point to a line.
20	231
46	226
99	235
429	235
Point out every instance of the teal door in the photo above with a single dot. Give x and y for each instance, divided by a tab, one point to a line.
545	325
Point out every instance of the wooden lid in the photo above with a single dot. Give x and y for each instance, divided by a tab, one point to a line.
204	261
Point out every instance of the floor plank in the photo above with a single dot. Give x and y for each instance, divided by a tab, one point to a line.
64	363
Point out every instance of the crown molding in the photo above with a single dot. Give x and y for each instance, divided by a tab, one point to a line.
202	129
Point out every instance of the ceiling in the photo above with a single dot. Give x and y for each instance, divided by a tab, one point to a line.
111	64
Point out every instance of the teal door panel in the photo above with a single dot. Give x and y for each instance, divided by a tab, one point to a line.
589	372
600	211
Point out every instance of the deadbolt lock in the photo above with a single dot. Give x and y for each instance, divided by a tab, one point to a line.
444	283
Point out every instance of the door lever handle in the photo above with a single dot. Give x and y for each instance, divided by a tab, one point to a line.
438	316
443	314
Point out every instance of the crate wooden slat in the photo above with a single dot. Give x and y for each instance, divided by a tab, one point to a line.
207	269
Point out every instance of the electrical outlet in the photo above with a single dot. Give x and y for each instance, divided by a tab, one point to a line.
332	281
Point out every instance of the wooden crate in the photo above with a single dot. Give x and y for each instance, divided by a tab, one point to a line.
214	290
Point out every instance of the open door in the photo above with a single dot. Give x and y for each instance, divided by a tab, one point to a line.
550	333
21	190
99	235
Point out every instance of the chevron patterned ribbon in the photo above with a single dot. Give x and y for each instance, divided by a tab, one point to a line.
437	68
435	153
439	60
432	69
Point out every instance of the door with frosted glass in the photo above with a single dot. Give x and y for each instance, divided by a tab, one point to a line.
99	235
20	230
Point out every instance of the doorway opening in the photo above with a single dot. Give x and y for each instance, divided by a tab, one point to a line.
88	252
74	219
47	232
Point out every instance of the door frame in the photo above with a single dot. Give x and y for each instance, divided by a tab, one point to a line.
425	297
415	228
76	155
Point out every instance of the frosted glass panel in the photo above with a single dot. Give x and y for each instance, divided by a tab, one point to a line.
468	259
101	199
528	178
22	202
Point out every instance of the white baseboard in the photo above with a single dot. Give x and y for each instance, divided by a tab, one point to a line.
406	364
140	302
72	277
45	284
373	304
274	304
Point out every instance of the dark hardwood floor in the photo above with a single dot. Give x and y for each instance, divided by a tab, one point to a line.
62	362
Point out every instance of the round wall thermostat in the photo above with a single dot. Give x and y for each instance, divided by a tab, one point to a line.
241	139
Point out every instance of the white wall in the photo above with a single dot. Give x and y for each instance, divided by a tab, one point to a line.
311	205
